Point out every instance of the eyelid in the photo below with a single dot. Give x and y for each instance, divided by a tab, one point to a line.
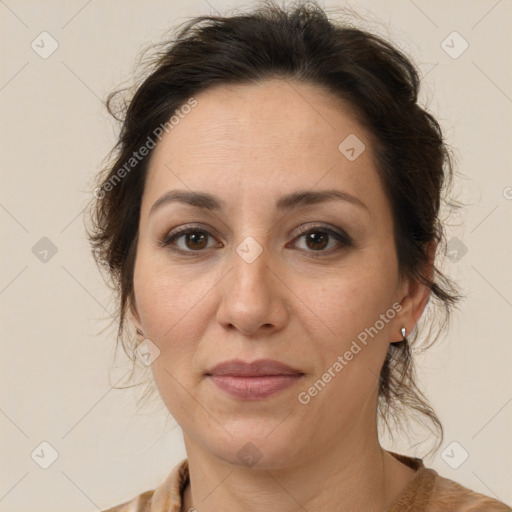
182	230
324	227
340	236
342	240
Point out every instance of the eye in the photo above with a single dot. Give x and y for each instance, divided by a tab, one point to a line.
319	239
188	240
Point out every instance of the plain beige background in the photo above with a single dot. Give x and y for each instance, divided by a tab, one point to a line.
57	373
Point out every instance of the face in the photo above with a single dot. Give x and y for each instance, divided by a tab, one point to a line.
263	277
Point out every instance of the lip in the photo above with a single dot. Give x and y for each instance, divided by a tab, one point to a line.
258	368
254	388
253	381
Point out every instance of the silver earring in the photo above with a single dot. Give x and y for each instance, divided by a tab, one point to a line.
140	332
403	334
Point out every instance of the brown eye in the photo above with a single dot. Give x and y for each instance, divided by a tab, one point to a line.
317	240
188	241
324	240
196	240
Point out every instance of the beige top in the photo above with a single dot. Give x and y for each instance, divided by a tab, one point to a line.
426	492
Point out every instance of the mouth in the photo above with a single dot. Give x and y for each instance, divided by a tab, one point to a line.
254	388
259	368
253	381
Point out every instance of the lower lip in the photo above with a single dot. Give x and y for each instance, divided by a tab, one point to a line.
254	388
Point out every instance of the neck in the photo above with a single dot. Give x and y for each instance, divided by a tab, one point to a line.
352	473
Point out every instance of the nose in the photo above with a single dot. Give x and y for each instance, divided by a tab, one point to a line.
254	299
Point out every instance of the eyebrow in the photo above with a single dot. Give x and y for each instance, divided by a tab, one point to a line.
288	202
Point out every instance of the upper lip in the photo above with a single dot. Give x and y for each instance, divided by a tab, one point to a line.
261	367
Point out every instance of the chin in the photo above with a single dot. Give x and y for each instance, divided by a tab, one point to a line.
260	450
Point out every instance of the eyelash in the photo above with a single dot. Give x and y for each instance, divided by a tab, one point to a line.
342	238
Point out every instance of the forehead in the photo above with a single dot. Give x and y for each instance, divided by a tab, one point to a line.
271	136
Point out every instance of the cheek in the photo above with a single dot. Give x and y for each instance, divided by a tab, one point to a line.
175	307
354	308
170	310
164	295
353	298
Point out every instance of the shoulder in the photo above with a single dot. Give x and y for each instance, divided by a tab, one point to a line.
447	495
141	503
430	492
167	497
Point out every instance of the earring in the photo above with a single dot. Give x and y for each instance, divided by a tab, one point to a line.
403	334
140	332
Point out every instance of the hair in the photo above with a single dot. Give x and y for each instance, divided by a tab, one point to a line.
378	82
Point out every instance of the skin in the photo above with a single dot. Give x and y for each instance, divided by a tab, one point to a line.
249	145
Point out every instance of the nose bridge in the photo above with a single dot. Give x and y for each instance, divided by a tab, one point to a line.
251	260
251	296
252	253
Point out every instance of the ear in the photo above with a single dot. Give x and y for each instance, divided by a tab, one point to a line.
134	314
414	298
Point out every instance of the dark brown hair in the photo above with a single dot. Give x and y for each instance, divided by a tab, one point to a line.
299	43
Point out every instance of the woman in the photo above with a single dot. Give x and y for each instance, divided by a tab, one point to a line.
271	222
